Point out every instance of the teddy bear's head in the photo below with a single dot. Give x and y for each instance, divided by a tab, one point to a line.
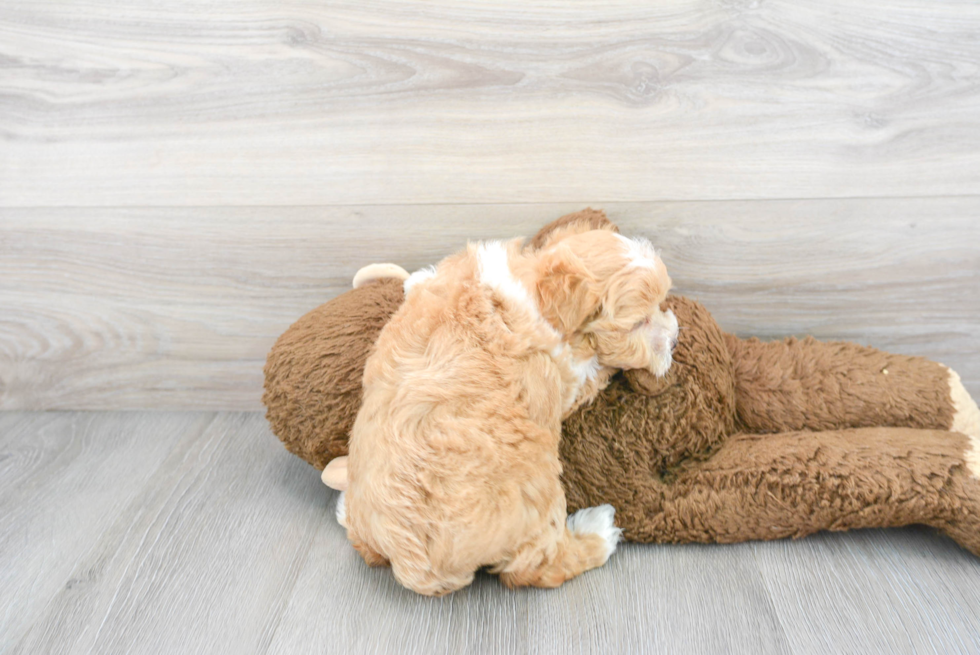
313	372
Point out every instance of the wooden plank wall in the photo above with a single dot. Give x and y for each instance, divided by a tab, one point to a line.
179	182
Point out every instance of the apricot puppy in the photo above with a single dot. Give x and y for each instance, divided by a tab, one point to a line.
453	460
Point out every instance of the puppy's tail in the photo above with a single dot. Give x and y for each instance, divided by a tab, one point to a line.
588	540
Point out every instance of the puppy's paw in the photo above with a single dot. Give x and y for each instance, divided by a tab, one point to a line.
599	521
342	509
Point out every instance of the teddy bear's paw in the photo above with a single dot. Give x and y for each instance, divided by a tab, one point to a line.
966	420
600	521
373	272
964	524
342	509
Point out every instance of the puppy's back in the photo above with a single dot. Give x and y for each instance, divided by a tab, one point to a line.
454	455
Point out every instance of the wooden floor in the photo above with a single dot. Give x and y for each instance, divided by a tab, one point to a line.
156	532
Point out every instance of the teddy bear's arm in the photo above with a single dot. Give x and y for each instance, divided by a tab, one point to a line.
812	385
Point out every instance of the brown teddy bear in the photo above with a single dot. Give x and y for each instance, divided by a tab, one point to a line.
741	440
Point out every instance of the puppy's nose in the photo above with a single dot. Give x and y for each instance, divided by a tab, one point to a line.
673	343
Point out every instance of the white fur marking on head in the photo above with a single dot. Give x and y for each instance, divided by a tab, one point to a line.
418	277
640	252
597	520
966	420
342	509
495	273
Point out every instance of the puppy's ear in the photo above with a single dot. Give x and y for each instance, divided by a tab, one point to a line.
568	293
570	224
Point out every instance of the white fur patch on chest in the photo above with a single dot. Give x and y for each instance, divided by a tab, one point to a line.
585	370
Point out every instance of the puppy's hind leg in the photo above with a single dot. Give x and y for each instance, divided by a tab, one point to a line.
371	556
422	579
586	542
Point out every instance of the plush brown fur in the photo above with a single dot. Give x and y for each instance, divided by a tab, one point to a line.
673	457
741	440
313	374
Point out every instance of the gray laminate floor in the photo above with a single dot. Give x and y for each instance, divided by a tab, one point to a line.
150	532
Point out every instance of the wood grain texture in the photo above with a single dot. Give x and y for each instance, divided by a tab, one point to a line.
219	541
201	561
177	308
250	102
65	479
832	588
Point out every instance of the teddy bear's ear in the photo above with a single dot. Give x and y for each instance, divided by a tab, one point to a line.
568	292
570	224
374	272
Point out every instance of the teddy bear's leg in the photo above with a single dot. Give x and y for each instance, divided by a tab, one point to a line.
760	487
812	385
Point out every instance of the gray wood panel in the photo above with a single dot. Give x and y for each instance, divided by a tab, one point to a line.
160	533
201	561
251	102
844	589
177	307
65	479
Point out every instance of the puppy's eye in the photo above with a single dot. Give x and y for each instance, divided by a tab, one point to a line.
643	322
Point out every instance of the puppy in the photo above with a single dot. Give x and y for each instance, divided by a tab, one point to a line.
453	460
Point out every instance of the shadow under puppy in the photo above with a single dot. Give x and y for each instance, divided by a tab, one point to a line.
454	461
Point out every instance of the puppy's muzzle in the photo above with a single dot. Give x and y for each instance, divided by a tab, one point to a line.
663	341
664	332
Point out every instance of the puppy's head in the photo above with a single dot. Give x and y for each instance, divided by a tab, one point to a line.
603	292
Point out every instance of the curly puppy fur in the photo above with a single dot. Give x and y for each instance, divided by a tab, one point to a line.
454	454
